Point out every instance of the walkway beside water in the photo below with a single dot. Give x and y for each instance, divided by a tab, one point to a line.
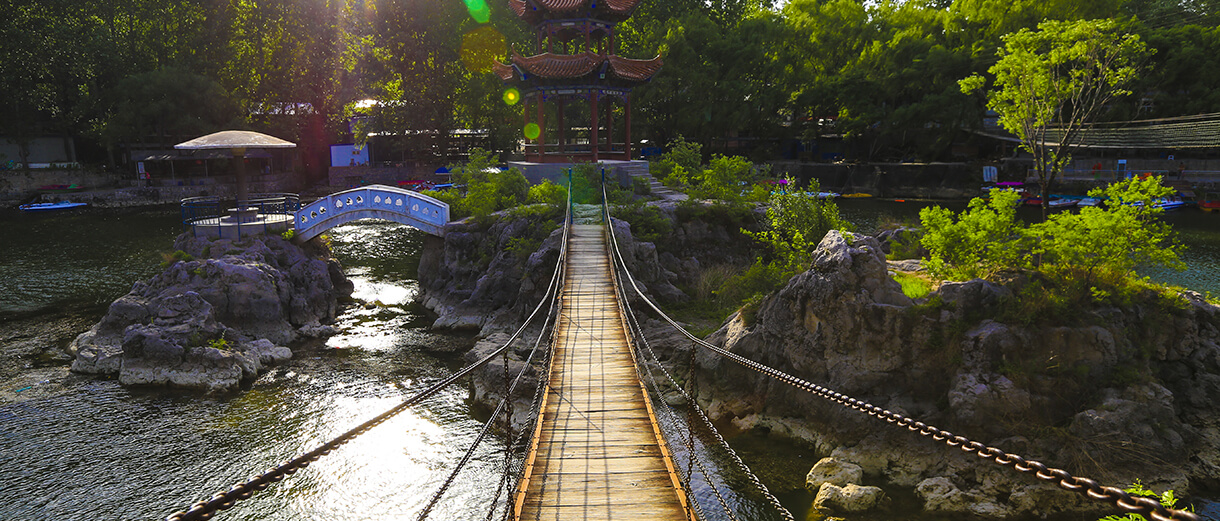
597	453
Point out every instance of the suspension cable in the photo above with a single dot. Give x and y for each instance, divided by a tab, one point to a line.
506	401
1065	480
206	509
694	408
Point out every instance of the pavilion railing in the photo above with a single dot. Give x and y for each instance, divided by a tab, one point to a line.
208	215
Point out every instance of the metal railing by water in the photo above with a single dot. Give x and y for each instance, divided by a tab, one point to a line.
211	216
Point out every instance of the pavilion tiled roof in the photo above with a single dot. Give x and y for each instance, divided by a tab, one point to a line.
564	66
534	11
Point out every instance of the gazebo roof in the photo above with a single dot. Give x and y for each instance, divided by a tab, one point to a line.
575	66
535	11
231	139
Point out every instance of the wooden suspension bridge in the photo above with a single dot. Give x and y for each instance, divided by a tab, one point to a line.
597	451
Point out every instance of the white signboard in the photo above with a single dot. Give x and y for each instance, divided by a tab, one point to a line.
349	155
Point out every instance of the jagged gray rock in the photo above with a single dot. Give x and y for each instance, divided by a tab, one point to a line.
833	471
849	499
1125	382
213	322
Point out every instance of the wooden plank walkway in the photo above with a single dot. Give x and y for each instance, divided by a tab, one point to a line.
597	453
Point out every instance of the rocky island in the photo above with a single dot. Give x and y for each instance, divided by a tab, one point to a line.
218	315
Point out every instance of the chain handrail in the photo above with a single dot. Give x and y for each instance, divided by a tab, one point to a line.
1089	488
206	509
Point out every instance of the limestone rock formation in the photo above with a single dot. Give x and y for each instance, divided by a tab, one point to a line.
849	499
1115	394
215	321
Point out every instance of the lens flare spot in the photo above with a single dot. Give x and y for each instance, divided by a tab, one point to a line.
478	10
512	96
532	131
482	47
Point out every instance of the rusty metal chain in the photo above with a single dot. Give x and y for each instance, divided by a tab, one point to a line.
707	422
207	508
1144	506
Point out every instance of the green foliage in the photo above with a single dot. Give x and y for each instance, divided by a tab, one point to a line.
522	247
640	186
288	235
723	179
913	286
984	239
678	164
648	224
906	245
1073	258
796	223
1099	247
1167	500
488	189
549	193
169	259
219	343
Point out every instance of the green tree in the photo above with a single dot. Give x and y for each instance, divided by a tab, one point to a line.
796	222
1051	83
166	105
982	240
723	178
546	192
677	164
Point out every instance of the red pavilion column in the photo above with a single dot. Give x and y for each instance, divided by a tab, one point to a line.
593	139
610	125
541	129
562	124
525	121
627	114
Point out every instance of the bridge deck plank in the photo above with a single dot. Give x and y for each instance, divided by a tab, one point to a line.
597	455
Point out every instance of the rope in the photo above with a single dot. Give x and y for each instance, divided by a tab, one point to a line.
1135	505
206	509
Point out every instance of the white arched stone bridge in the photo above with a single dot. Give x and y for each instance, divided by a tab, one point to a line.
372	202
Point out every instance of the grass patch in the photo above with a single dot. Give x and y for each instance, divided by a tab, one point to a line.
913	286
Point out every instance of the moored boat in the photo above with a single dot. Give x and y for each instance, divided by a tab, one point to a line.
1055	204
45	207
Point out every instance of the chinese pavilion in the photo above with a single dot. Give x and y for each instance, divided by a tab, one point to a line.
575	66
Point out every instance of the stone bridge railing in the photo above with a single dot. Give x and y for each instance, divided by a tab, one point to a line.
372	202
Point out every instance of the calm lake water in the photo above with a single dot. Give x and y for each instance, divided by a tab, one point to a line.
81	447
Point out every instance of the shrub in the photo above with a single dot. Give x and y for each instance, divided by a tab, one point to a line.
648	224
550	193
905	244
641	186
723	178
1104	246
796	223
985	238
169	259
